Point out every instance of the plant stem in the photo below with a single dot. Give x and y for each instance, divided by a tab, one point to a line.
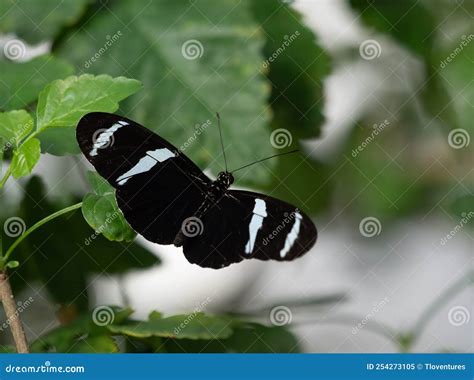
36	226
432	309
5	177
13	317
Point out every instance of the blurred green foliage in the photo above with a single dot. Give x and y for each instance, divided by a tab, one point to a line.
172	65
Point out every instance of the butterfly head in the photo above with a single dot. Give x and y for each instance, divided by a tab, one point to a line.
225	178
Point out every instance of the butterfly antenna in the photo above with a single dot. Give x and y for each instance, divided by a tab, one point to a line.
222	142
264	159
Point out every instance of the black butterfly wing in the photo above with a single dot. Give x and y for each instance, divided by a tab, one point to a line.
246	225
157	186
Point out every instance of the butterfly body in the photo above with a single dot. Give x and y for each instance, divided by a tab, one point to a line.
215	191
167	199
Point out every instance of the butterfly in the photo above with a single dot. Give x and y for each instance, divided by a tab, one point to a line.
167	199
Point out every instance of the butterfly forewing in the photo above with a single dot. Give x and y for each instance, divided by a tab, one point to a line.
157	186
244	225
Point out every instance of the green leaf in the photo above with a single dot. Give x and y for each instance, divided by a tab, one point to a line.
37	21
25	158
12	264
63	102
246	338
453	74
22	82
185	87
191	326
87	333
99	184
67	251
408	21
296	66
15	126
101	211
463	208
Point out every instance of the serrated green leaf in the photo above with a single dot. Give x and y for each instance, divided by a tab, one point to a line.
22	82
296	66
25	158
192	326
414	23
37	21
191	69
14	126
101	211
88	333
63	102
246	338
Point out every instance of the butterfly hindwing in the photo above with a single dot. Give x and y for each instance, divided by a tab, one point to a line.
157	186
245	225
